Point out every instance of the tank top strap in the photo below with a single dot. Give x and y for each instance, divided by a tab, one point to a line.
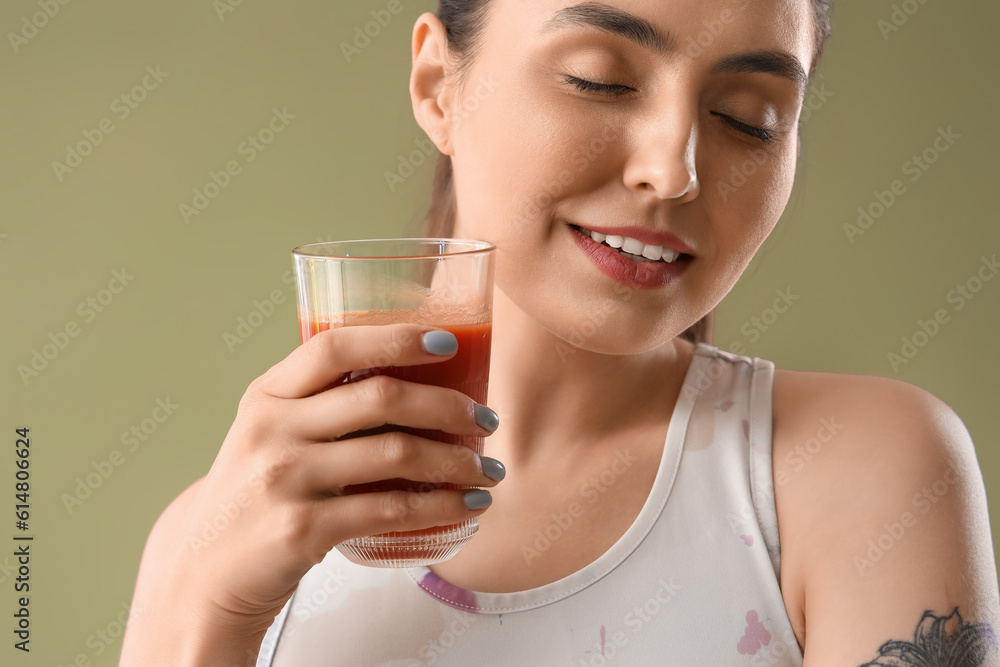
736	398
761	470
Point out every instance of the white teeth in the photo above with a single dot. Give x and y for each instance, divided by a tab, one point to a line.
652	252
635	247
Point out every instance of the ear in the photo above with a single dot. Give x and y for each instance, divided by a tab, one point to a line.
429	91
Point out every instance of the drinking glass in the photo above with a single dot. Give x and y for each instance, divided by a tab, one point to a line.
443	283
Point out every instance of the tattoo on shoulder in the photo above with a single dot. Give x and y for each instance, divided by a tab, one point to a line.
941	641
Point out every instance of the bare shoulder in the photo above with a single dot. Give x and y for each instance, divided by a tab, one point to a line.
870	471
834	423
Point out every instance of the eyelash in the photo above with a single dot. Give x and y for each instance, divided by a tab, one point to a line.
767	136
610	89
618	90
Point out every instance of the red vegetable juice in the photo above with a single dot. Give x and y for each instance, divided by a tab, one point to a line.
467	371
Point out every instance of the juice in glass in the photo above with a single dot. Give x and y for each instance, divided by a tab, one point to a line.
444	284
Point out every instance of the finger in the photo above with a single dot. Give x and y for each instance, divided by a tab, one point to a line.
380	400
364	514
321	360
330	466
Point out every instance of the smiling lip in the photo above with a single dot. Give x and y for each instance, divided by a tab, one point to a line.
647	236
641	275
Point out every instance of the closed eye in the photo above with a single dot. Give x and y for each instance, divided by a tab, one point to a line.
618	90
609	89
765	135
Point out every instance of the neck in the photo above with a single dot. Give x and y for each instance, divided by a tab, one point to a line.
549	393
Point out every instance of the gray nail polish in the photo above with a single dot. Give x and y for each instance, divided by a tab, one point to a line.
487	418
493	469
478	500
439	342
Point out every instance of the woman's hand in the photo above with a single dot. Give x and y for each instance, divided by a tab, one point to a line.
236	543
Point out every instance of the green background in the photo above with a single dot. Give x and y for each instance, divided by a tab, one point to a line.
322	177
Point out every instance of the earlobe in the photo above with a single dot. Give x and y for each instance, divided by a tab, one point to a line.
428	89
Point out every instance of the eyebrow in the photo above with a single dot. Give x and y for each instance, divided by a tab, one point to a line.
613	20
778	63
642	32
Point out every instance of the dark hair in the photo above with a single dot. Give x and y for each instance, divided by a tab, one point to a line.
464	21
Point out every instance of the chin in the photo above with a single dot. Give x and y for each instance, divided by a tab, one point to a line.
612	336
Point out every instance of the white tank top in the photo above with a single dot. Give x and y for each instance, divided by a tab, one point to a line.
693	581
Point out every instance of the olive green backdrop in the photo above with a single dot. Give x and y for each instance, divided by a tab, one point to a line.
200	78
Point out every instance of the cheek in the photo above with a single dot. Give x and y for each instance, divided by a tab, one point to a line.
745	191
522	154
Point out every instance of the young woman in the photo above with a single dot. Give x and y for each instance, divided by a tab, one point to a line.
664	502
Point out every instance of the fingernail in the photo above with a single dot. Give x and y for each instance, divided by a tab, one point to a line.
478	500
493	469
487	418
439	342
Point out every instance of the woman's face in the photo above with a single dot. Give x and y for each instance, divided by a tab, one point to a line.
692	133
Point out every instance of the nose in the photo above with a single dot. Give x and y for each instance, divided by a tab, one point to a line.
664	161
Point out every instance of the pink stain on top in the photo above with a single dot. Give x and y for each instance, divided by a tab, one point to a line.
451	595
755	636
726	355
726	404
